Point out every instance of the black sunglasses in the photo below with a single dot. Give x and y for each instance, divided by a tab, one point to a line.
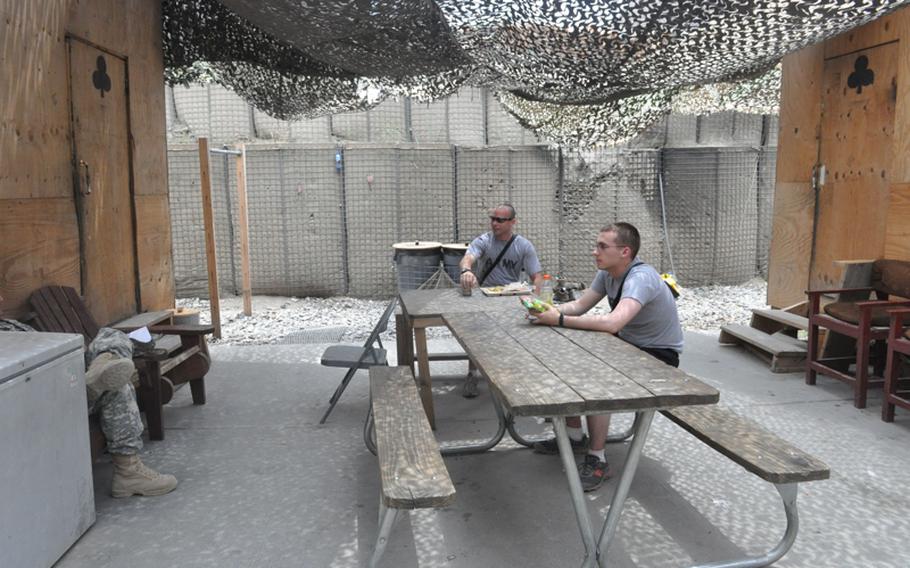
500	219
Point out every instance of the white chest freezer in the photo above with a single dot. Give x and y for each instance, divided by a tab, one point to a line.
46	497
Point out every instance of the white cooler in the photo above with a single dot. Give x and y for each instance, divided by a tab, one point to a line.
46	497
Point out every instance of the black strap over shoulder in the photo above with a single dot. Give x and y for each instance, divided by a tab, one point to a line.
615	301
495	262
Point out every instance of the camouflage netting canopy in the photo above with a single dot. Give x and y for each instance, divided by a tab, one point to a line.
585	71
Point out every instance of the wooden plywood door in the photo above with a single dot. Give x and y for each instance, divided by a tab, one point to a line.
858	108
102	180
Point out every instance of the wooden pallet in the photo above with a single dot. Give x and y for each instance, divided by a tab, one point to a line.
772	321
785	354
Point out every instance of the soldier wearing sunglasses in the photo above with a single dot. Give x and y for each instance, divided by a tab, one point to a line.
478	262
479	267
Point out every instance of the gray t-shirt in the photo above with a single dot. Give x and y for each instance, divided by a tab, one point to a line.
521	254
657	324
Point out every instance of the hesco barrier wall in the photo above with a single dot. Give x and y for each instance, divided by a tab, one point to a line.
324	227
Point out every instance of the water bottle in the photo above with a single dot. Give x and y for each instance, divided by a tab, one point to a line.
546	290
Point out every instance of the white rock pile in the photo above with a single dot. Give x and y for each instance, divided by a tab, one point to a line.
275	317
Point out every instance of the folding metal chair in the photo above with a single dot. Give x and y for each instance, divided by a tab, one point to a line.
354	358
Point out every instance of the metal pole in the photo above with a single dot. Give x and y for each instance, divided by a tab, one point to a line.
578	498
642	424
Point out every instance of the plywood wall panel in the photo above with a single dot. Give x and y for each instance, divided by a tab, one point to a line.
882	30
35	145
856	134
900	161
791	244
153	239
897	234
39	245
794	197
34	112
800	111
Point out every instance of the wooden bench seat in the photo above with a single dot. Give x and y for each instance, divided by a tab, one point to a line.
412	472
760	452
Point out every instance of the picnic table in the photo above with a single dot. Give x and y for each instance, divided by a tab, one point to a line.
555	373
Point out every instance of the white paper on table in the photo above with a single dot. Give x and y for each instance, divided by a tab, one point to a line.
141	335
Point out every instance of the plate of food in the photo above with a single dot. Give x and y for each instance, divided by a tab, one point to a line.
513	289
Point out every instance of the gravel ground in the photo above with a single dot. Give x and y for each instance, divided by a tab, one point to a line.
279	319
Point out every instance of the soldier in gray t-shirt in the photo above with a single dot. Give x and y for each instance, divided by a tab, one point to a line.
643	313
487	247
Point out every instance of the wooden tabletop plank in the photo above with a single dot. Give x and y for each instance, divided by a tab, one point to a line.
669	385
509	366
428	303
603	388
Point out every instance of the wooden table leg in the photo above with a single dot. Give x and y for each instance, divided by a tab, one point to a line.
424	382
404	339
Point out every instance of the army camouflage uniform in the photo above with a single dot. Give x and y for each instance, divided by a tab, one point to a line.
120	420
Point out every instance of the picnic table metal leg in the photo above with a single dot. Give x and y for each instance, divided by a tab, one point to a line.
640	433
387	519
529	441
578	499
369	431
459	448
788	495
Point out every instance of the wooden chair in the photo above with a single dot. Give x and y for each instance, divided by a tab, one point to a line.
181	354
898	350
352	357
858	316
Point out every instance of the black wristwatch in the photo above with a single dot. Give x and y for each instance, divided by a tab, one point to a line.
562	319
463	270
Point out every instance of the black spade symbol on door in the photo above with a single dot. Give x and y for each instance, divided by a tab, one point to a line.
862	76
100	78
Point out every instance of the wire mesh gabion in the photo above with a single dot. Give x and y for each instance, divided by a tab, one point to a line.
324	211
323	218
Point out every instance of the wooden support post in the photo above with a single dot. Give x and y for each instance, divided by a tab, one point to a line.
244	232
208	217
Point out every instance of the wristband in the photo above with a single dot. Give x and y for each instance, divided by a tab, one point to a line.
562	320
463	270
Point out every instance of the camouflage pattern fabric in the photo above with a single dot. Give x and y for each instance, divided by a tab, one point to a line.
120	420
13	325
109	341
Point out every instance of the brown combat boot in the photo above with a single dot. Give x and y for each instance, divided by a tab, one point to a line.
108	372
132	477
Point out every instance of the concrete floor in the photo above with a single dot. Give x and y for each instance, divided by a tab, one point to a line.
263	484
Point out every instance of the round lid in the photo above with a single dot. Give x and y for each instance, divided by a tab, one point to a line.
417	245
461	247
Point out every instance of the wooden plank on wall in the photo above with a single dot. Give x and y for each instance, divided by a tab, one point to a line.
153	238
800	113
882	30
897	236
794	198
39	245
791	246
900	161
34	114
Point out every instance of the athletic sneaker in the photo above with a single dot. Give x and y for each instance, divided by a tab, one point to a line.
549	446
593	472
